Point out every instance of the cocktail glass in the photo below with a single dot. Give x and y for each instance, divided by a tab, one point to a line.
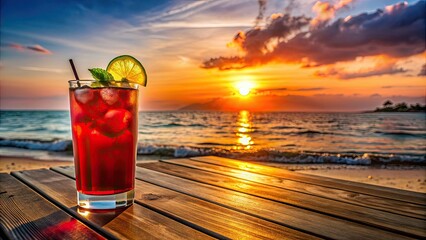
104	123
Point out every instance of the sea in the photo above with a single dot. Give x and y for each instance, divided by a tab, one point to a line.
344	138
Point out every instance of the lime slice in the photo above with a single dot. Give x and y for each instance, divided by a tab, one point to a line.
126	67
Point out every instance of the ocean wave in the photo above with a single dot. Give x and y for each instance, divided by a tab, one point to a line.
283	156
196	125
268	155
37	129
310	132
315	132
285	127
221	132
298	131
171	125
401	134
215	144
51	145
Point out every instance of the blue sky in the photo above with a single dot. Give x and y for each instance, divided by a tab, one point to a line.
171	38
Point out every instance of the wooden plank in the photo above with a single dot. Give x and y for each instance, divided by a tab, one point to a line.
379	203
392	193
204	215
312	222
134	222
389	221
26	215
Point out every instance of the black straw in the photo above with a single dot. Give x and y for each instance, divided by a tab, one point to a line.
75	72
73	69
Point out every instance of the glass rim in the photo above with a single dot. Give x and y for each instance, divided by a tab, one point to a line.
92	80
82	80
87	82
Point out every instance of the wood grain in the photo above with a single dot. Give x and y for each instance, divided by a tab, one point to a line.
391	193
312	222
389	221
379	203
208	217
26	215
135	222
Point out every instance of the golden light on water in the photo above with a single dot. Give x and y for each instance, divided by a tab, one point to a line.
244	140
242	129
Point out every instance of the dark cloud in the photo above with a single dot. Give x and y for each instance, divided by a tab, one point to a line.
262	90
280	91
384	69
375	95
35	48
255	42
404	86
310	89
39	49
290	6
271	89
262	9
422	71
397	31
225	63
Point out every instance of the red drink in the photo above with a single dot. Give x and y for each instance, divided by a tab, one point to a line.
104	127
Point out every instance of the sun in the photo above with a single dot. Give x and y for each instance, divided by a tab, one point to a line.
244	88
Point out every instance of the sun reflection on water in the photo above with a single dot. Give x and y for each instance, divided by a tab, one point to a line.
244	140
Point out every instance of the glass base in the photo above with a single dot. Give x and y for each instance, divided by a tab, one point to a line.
112	201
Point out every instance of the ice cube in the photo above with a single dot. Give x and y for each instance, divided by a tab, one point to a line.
109	95
115	121
83	95
100	141
82	118
125	140
129	99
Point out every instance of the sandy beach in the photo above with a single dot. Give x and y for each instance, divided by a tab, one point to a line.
408	179
411	178
9	164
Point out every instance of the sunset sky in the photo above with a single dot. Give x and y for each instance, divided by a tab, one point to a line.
339	55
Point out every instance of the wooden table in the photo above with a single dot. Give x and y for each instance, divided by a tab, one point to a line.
211	197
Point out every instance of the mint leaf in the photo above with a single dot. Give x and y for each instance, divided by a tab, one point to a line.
101	75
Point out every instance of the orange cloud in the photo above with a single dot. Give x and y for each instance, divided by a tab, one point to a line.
395	33
36	48
39	49
382	67
16	46
422	71
326	11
